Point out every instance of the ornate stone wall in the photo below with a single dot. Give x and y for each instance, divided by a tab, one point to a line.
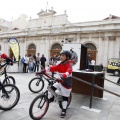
104	34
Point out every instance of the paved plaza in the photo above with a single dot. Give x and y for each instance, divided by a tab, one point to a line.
109	105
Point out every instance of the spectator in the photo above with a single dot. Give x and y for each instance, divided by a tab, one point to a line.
51	61
31	64
118	82
38	61
92	62
34	61
54	59
25	63
43	60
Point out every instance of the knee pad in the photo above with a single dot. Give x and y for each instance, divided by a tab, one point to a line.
53	88
65	98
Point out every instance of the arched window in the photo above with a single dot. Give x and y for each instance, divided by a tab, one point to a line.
56	46
55	49
31	46
90	46
91	51
31	49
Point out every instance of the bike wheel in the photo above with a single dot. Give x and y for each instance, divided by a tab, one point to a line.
8	100
69	101
9	80
39	107
36	85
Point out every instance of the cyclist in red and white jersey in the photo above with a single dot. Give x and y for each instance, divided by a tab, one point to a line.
64	70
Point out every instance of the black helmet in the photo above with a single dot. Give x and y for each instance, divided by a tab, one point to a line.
67	53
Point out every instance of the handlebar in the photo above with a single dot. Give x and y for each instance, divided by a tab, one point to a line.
50	77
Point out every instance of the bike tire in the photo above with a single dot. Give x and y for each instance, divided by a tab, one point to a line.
4	100
9	80
36	85
69	101
42	100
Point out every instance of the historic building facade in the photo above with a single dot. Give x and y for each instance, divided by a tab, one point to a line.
48	32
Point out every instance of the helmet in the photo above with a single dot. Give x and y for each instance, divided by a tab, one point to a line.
67	53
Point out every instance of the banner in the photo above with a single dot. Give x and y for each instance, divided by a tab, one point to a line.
15	47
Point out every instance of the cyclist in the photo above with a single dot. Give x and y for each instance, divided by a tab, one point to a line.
3	57
64	70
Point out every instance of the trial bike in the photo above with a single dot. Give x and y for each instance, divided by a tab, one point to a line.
37	84
7	79
9	96
40	104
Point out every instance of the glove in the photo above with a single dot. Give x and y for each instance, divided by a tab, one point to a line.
59	80
9	61
60	74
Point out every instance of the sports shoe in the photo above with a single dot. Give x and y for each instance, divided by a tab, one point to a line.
63	113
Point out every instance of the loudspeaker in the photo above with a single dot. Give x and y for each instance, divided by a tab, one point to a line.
97	68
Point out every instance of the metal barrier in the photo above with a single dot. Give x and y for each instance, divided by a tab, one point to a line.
111	81
96	86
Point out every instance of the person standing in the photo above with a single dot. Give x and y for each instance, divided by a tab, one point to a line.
26	60
54	60
38	61
34	61
43	60
31	64
118	81
92	62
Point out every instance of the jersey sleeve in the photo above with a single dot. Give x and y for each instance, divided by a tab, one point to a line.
68	72
51	69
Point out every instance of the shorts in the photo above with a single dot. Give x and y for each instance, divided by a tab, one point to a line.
63	91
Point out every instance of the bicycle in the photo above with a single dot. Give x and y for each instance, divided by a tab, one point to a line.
9	96
7	79
37	84
41	102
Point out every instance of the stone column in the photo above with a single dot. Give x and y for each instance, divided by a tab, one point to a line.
100	51
22	47
117	47
105	51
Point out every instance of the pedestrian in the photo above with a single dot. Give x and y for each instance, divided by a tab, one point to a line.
25	61
38	61
51	61
34	61
54	60
30	64
92	62
118	81
42	60
64	70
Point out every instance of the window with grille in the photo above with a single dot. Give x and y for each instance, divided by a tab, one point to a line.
32	46
90	46
56	46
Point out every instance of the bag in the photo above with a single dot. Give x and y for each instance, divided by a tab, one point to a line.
22	60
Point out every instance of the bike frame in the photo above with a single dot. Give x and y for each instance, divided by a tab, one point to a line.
50	83
3	89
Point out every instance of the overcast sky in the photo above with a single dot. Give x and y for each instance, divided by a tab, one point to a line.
77	10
